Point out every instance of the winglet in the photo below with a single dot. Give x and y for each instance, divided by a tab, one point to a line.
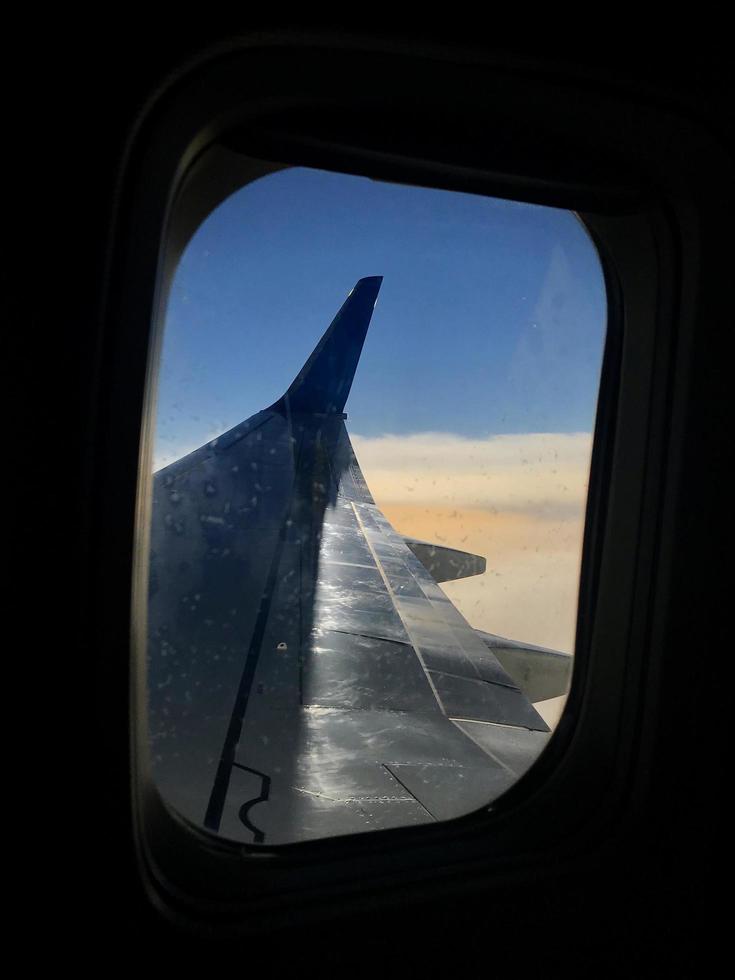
322	385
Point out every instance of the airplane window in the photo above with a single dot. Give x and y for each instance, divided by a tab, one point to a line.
373	439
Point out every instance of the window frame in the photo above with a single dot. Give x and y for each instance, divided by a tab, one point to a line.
644	236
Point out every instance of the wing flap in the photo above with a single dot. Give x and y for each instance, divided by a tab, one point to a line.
446	564
540	673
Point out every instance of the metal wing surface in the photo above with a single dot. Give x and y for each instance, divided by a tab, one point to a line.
307	677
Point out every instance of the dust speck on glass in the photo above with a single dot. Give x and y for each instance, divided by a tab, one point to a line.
373	437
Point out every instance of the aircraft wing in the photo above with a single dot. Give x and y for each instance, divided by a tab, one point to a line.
307	676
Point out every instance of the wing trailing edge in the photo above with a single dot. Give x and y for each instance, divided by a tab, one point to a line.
322	385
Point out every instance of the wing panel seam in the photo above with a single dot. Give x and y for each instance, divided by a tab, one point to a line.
395	605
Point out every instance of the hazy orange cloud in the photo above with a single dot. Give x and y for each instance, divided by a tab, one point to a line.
540	473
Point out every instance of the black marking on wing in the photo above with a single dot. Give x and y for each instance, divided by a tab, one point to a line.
243	813
213	816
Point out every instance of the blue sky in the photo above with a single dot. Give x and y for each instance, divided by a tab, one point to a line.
490	320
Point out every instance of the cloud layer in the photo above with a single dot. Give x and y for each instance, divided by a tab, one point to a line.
544	474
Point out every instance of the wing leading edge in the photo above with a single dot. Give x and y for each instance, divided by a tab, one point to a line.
307	676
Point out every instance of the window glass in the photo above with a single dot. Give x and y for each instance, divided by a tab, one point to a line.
373	438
